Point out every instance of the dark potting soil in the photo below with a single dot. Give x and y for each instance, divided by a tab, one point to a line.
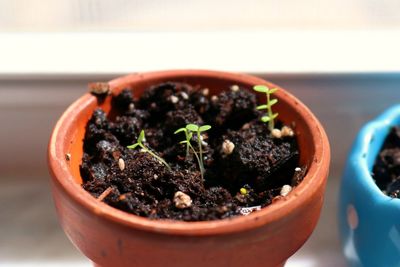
136	182
386	171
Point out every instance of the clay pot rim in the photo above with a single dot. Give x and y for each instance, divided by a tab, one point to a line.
272	213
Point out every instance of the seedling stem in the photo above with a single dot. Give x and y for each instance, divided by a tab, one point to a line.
270	116
140	144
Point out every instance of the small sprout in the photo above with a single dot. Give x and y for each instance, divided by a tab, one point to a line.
144	149
121	164
189	130
182	200
235	88
285	190
276	133
287	131
99	88
188	136
174	99
270	116
243	191
228	147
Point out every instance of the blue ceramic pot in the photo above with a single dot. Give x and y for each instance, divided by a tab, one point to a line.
369	221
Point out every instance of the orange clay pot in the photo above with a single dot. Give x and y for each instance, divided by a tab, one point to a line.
110	237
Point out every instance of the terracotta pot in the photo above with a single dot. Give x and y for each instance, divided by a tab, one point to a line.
110	237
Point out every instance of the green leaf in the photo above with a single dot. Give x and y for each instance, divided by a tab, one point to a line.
273	90
262	107
184	142
272	102
133	146
141	137
190	135
192	127
204	128
180	130
265	119
260	88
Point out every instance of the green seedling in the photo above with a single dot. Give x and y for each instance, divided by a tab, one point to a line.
189	130
188	136
270	116
139	143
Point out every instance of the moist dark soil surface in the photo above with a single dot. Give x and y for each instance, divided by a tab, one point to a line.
136	182
386	170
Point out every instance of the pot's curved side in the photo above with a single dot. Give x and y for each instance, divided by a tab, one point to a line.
110	244
112	237
368	219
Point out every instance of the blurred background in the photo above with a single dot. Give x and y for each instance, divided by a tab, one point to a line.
339	57
206	15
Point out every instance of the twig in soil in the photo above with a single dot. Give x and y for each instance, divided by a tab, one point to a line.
189	130
270	116
105	193
99	88
140	144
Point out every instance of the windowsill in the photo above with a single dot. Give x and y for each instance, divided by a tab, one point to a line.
32	54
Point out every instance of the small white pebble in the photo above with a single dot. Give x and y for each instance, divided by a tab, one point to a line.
155	176
68	156
285	190
121	164
131	107
182	200
276	133
204	143
143	150
214	98
184	95
206	91
297	169
174	99
235	88
287	131
228	147
99	88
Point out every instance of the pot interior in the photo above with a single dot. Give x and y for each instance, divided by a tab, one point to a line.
291	111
